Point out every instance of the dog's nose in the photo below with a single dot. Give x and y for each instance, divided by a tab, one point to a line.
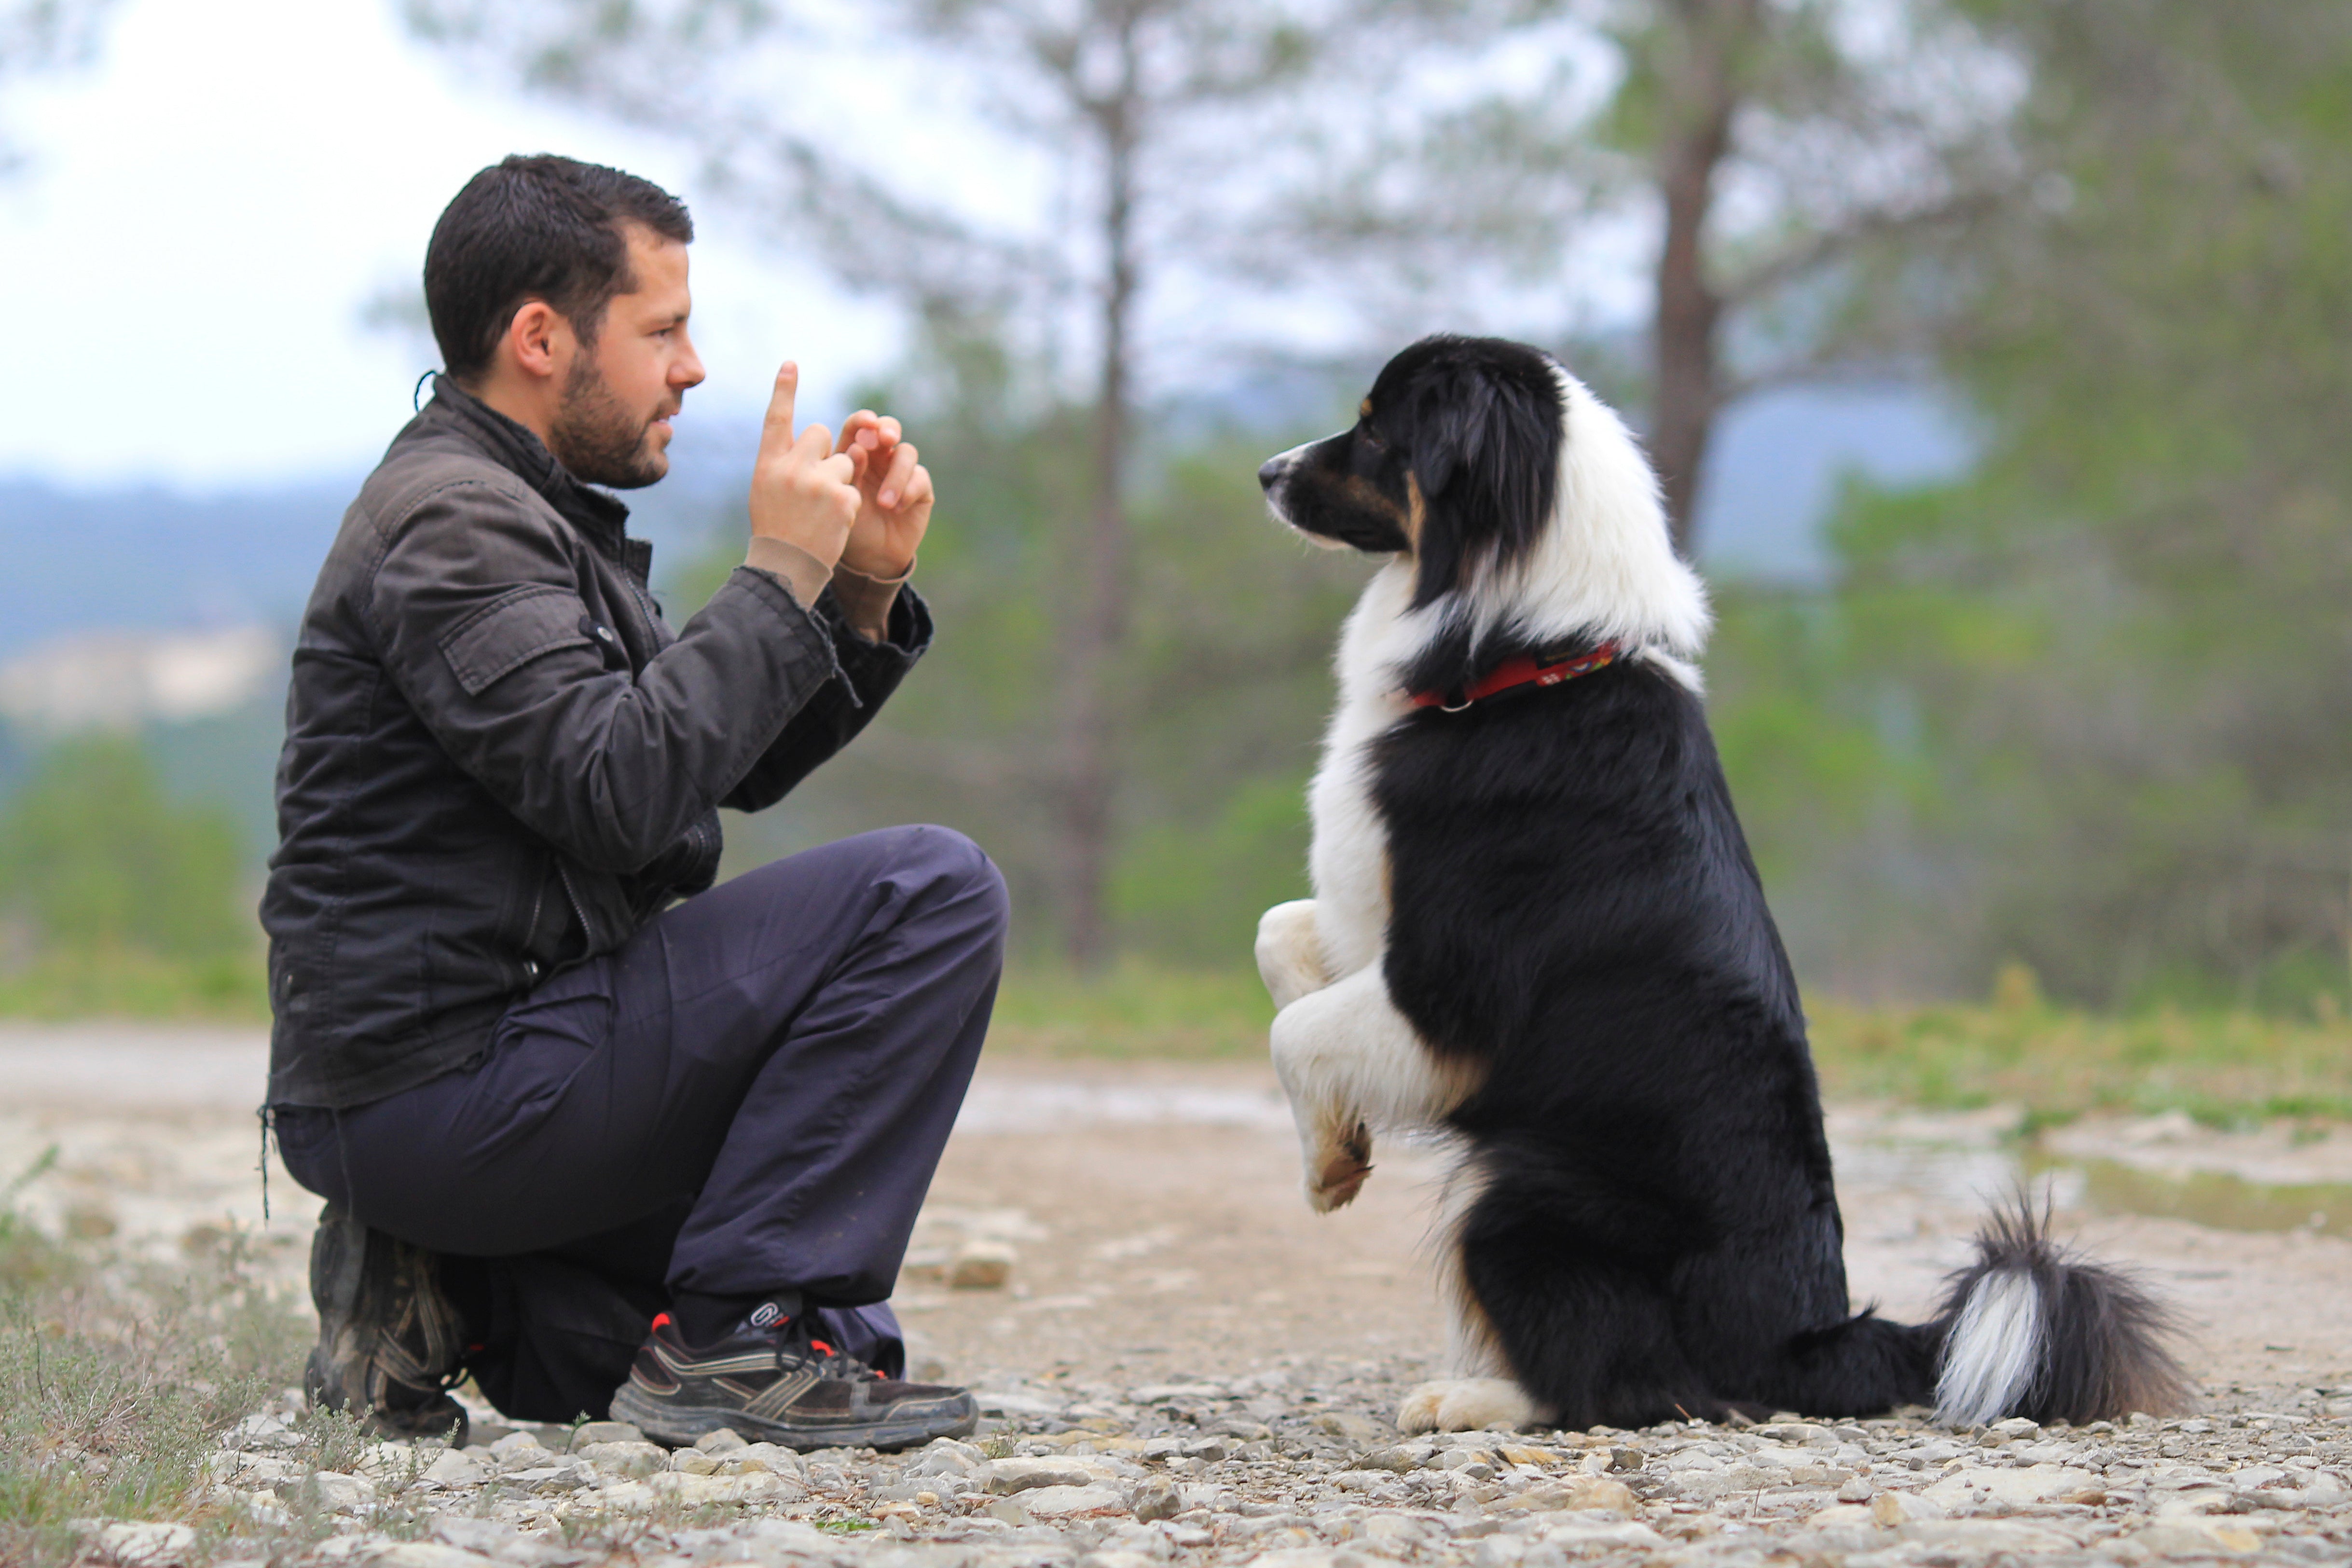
1269	471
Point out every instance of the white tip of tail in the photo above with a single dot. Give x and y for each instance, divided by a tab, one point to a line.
1994	1352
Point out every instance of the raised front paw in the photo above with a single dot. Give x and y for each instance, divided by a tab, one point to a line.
1336	1174
1290	953
1464	1405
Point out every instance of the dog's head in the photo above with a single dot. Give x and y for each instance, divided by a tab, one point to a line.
1453	459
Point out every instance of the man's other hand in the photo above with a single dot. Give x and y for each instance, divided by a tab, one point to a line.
803	492
893	496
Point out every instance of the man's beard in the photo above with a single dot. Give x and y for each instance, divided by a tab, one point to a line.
598	439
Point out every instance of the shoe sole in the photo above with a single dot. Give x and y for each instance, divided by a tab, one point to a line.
680	1426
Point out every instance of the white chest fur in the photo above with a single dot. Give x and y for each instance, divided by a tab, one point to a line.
1350	861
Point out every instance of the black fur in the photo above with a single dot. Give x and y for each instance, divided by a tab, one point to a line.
1654	1231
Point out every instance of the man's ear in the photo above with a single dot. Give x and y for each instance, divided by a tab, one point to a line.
536	338
1486	452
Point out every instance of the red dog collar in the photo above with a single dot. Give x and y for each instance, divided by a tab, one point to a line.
1513	672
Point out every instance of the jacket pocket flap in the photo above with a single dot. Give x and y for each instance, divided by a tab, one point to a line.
509	632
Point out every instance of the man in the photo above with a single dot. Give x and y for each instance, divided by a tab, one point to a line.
574	1135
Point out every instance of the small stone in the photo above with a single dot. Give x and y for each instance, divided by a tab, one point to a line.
456	1467
1064	1501
1983	1538
2197	1537
1352	1428
1844	1516
726	1440
551	1478
593	1432
1397	1461
2002	1491
426	1555
980	1265
693	1462
1857	1490
342	1493
1006	1477
1894	1510
635	1459
1576	1493
146	1545
1158	1498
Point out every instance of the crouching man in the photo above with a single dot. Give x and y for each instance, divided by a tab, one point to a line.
610	1151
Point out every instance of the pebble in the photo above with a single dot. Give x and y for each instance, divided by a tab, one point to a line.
1300	1466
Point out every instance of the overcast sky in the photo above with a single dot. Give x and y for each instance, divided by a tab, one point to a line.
210	208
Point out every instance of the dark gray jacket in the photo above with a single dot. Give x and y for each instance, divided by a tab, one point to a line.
500	761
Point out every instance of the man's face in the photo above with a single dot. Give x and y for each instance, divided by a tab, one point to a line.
613	425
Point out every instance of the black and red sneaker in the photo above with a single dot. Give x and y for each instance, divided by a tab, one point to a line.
776	1384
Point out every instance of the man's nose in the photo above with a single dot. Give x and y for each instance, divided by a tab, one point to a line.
688	371
1269	471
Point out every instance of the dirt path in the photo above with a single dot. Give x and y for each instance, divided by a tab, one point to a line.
1154	1214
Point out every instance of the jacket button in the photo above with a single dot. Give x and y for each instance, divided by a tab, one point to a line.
531	969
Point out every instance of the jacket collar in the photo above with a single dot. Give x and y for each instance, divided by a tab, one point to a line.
600	519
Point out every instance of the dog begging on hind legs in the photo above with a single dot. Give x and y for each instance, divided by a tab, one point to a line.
1536	930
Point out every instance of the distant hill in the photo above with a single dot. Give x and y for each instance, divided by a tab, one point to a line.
157	559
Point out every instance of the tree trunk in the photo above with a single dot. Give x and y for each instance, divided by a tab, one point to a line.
1702	93
1099	629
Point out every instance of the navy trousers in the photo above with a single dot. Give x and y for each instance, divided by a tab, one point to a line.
747	1099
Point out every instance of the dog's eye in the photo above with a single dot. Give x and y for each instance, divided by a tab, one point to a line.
1372	439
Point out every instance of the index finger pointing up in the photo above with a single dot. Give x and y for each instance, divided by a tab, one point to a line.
778	426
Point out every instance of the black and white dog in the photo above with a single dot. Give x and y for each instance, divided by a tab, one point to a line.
1536	925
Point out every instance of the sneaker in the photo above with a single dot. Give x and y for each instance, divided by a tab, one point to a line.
776	1385
390	1341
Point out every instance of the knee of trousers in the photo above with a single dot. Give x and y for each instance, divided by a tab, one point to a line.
955	874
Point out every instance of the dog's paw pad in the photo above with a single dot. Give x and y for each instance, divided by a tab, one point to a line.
1464	1405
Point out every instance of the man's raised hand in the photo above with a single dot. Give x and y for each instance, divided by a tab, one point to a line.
894	493
803	492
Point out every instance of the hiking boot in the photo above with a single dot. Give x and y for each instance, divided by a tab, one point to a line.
390	1341
777	1385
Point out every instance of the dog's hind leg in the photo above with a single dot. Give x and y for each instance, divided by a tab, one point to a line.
1351	1063
1290	953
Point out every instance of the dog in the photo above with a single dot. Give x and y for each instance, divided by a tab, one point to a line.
1537	928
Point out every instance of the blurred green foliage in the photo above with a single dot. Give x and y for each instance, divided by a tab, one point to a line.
2091	705
95	858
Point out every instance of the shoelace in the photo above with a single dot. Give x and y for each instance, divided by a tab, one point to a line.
830	1362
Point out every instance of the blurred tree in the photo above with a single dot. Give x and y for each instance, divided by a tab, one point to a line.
1147	111
2099	694
96	859
1793	158
38	35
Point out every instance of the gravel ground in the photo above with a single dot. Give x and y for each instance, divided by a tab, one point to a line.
1183	1365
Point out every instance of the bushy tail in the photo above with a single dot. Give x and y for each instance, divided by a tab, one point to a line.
2035	1328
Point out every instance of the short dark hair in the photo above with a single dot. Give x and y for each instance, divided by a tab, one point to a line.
536	228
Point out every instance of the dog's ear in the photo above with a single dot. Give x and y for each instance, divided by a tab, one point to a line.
1486	457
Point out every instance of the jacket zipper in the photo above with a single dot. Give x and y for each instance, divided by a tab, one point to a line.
588	931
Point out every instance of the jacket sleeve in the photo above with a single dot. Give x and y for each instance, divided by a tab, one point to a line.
475	606
832	718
